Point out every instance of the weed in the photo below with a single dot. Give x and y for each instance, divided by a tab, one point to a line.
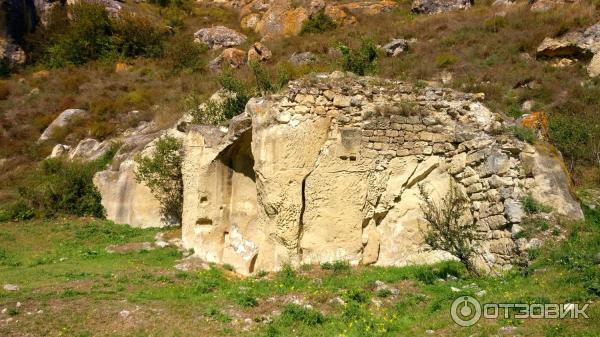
297	313
532	206
524	134
318	23
446	228
360	61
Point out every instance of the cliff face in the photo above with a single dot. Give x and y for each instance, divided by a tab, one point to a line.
330	171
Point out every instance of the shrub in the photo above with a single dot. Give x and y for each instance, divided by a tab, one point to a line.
523	133
318	23
262	78
58	187
137	36
361	61
16	211
355	295
210	113
246	300
446	228
161	172
86	36
236	103
573	137
297	313
182	53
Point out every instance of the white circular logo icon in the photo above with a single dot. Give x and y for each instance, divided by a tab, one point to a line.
465	311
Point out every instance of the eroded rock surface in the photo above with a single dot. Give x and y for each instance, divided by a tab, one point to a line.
330	170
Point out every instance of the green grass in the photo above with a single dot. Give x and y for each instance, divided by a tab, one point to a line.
63	270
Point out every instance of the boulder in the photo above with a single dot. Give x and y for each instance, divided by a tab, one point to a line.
11	53
60	150
89	149
259	53
578	44
62	121
439	6
256	200
546	5
230	57
396	47
219	37
303	58
594	66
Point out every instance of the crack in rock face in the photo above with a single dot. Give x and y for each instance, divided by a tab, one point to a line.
330	170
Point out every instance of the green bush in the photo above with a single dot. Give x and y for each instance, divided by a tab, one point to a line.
161	172
297	313
236	103
576	137
61	187
318	23
90	34
210	113
137	36
360	61
182	53
86	36
446	228
524	134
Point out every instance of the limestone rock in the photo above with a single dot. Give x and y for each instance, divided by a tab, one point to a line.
396	47
219	37
61	121
59	150
552	186
317	174
546	5
89	149
11	53
303	58
126	200
439	6
579	44
594	66
11	287
230	57
259	53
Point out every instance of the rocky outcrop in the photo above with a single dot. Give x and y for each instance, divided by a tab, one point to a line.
396	47
219	37
330	170
546	5
11	55
63	120
283	18
575	45
440	6
125	199
229	58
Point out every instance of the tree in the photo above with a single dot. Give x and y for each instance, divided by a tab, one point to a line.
447	227
161	172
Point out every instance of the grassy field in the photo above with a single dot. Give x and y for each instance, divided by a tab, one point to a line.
70	286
